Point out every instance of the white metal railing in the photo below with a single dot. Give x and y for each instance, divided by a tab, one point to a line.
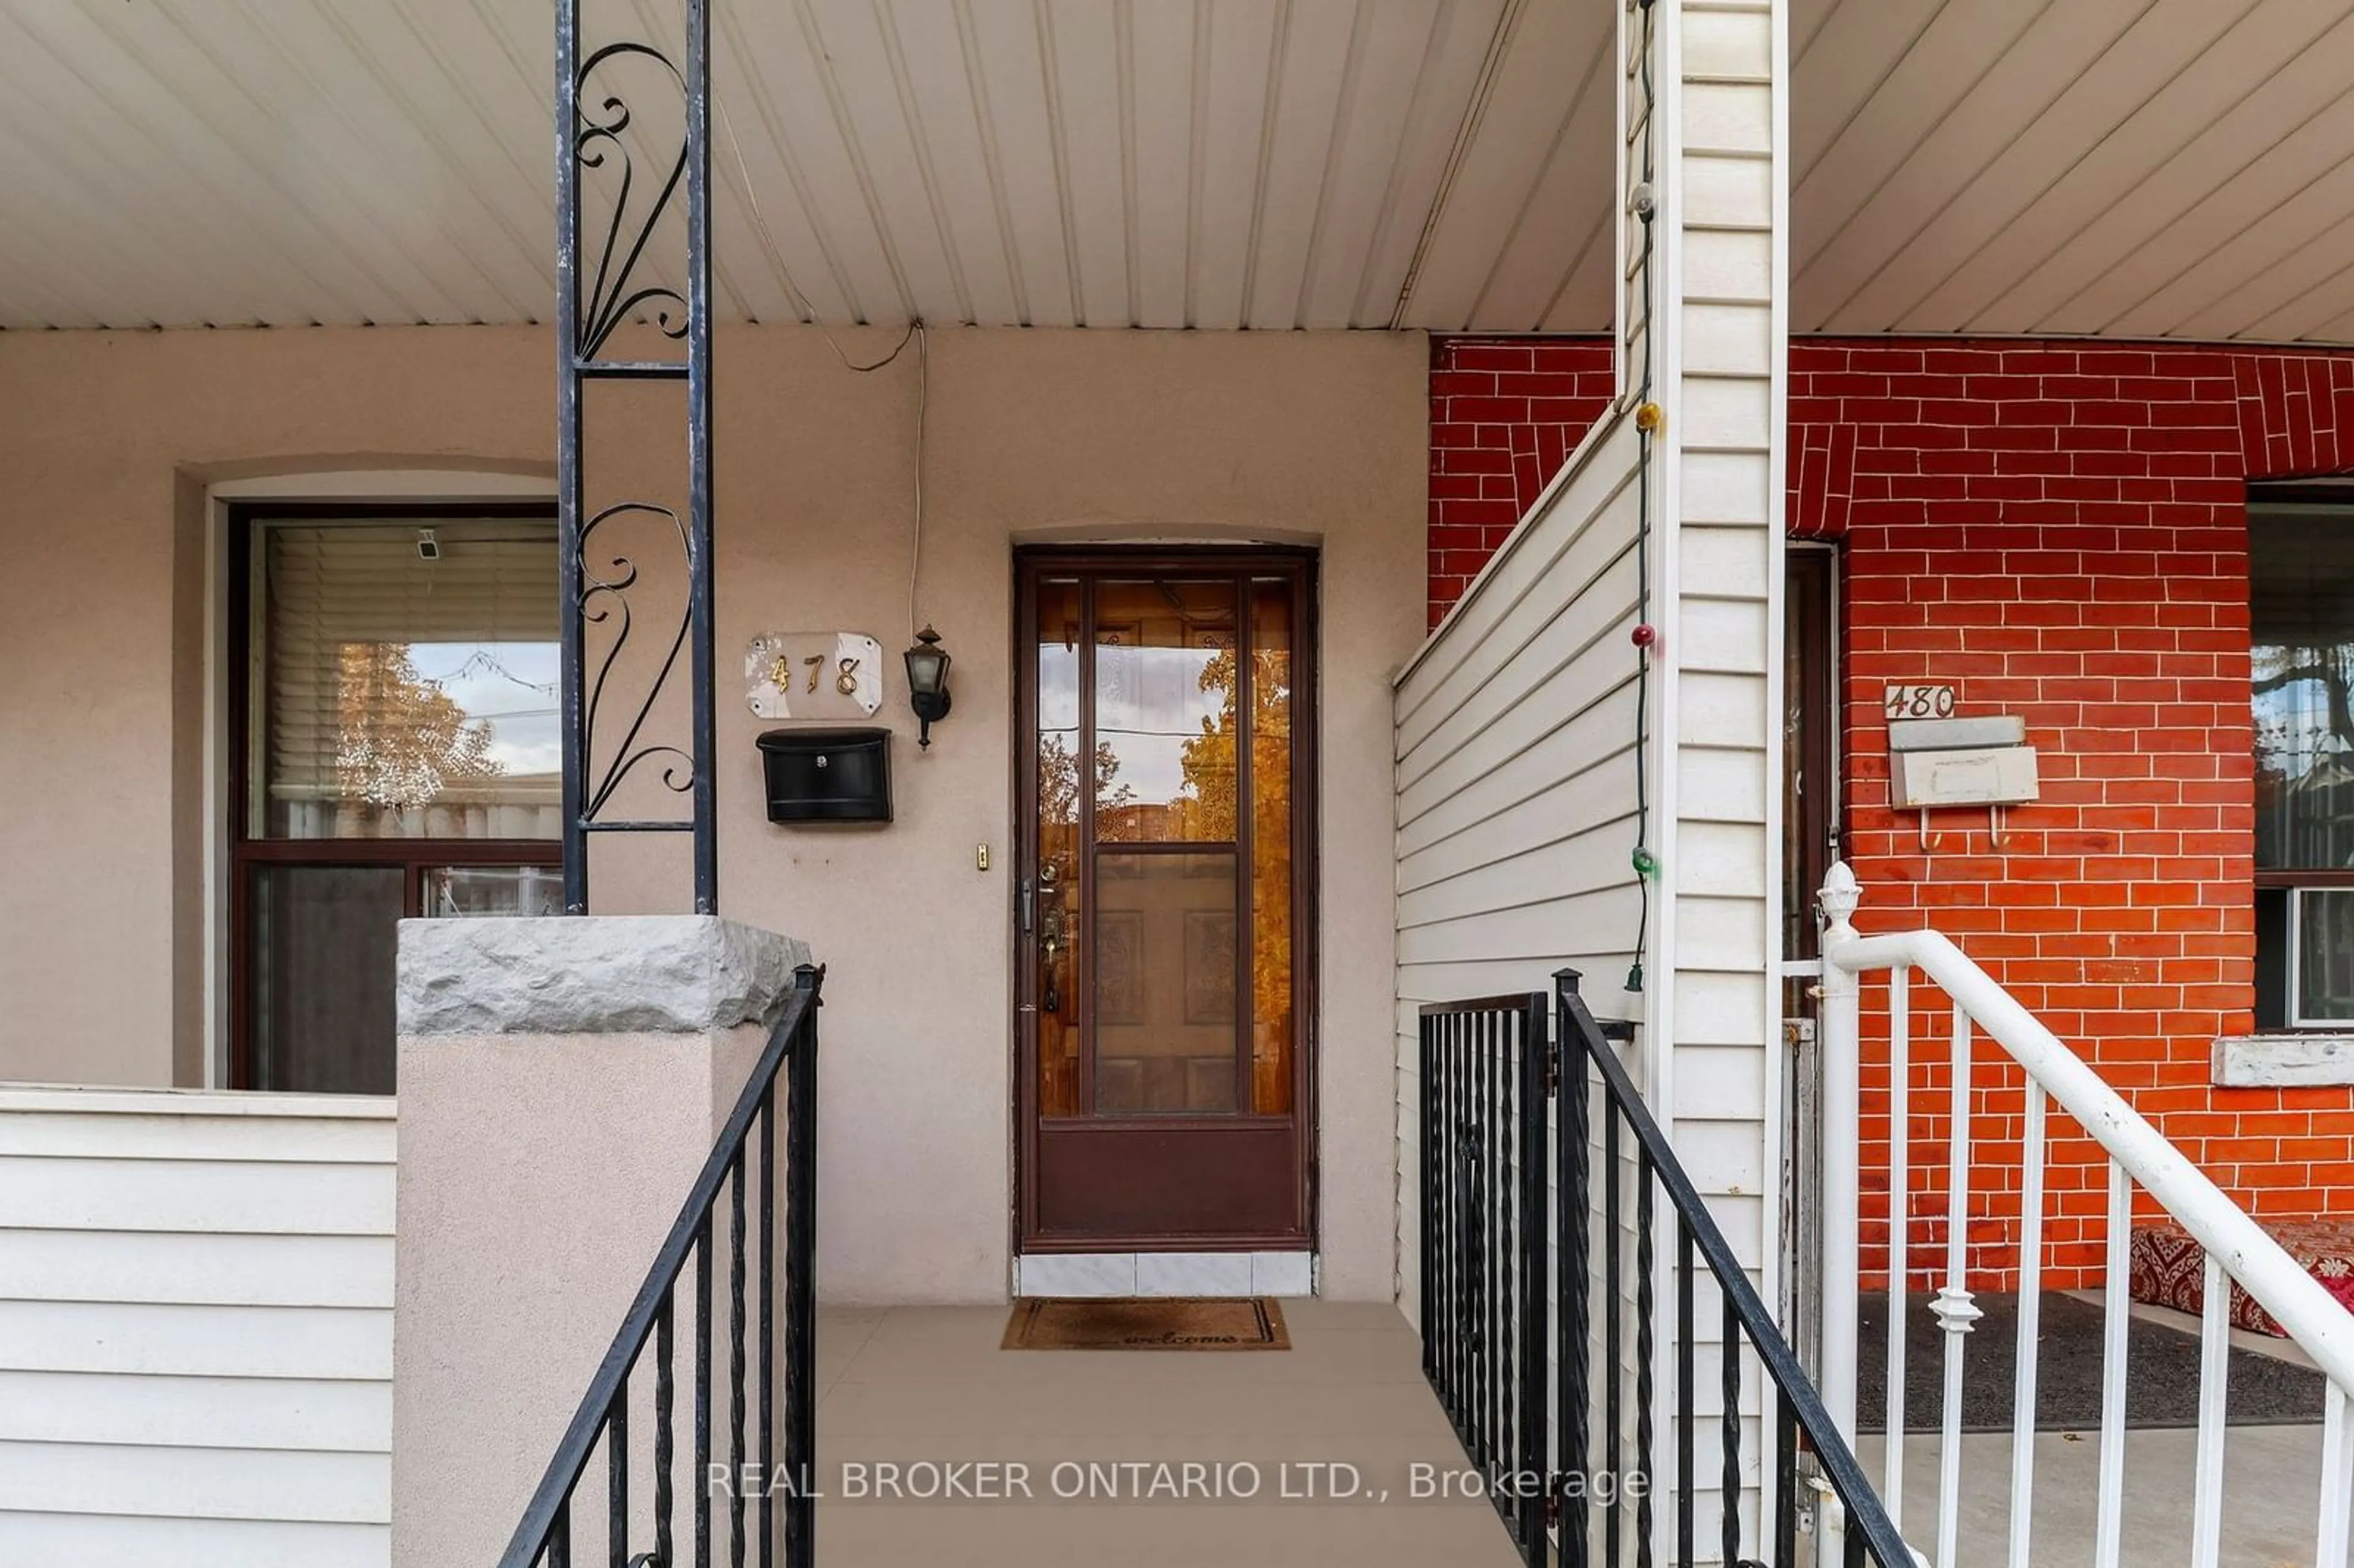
2236	1248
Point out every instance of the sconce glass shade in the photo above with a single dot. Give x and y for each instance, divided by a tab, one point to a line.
927	684
927	665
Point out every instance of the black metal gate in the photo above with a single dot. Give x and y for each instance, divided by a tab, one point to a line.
1540	1164
1483	1241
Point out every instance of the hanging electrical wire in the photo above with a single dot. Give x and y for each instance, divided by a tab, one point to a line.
923	396
777	256
800	303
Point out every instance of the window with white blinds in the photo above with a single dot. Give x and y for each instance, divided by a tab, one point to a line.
406	680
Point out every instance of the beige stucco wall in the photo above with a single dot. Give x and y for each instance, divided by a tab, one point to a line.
503	1311
108	441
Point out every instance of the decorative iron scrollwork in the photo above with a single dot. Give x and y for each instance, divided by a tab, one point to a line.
604	596
601	135
612	108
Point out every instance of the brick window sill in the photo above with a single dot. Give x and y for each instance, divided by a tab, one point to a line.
2289	1060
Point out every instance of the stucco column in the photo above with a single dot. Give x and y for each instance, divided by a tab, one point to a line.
561	1082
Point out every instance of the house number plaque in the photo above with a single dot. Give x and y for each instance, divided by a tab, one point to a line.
813	675
1917	702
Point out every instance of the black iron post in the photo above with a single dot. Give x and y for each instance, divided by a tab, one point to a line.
594	132
700	669
568	449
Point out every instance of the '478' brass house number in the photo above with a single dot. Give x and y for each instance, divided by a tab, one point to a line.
1917	702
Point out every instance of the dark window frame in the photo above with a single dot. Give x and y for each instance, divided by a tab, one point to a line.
248	852
2275	983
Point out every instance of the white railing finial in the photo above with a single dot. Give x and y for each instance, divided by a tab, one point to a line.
1839	898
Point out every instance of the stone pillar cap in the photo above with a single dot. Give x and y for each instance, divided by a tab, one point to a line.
590	974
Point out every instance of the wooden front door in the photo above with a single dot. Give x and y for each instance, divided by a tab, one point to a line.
1167	897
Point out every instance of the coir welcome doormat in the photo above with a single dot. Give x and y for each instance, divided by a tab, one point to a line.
1171	1323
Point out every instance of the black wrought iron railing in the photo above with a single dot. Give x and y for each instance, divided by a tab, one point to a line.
1544	1182
751	1399
1484	1240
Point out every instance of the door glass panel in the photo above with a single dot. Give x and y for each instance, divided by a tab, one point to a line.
1165	690
323	954
1166	1008
464	890
1271	796
1161	889
1056	895
407	686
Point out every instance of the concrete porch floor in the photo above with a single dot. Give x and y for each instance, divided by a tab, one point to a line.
2272	1482
910	1385
918	1386
2271	1491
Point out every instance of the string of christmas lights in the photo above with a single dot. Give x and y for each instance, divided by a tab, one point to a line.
1649	419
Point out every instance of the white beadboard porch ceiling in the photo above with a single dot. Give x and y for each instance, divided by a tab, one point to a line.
2125	168
1270	164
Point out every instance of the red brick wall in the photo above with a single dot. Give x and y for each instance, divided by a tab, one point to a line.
2059	530
1504	416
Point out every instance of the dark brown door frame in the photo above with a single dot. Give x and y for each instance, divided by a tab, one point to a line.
1812	620
248	853
1814	583
1031	563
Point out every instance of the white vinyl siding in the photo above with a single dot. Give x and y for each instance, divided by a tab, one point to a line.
1717	1023
1721	633
196	1329
1516	745
1515	774
1516	725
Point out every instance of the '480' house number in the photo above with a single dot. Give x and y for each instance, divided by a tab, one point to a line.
1918	702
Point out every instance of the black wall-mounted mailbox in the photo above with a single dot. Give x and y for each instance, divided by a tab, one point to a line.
828	775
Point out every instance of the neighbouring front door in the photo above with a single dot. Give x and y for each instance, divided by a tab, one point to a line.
1166	882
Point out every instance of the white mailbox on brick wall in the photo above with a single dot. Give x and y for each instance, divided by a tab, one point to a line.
1934	763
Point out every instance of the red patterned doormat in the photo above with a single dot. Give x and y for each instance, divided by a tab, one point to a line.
1166	1323
2169	1268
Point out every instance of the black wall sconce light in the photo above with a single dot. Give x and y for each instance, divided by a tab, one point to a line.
928	682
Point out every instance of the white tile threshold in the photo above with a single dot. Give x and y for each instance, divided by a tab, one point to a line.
1165	1274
